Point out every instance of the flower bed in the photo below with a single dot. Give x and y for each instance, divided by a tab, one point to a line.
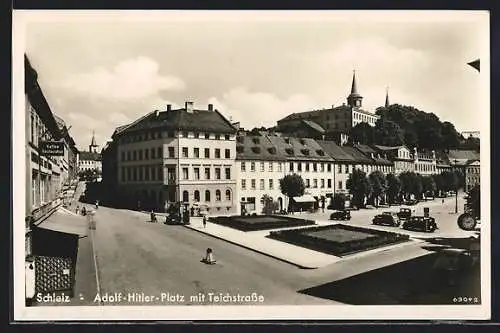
259	222
338	239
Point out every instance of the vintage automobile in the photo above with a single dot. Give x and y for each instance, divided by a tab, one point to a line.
341	215
404	213
420	223
387	218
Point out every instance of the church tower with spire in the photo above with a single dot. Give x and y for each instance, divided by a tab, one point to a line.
387	104
354	99
93	147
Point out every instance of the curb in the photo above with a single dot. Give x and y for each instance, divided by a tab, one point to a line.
249	248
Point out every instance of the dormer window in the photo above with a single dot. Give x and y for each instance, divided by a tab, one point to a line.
256	141
320	152
272	151
303	142
240	139
287	140
256	150
289	151
305	151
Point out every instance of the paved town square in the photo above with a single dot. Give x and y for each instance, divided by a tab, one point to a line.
252	161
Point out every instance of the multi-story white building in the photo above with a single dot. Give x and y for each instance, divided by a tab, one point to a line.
184	155
91	159
401	157
472	174
259	168
425	163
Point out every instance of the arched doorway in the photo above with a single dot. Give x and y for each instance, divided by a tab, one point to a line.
185	196
280	201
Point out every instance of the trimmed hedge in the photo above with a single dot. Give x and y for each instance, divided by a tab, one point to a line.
245	223
300	237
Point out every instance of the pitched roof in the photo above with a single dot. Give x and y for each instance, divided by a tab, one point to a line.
256	147
357	155
89	156
313	113
299	148
369	152
463	155
314	125
180	119
335	151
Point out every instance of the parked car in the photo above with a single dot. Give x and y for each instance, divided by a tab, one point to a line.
404	213
341	215
387	218
420	223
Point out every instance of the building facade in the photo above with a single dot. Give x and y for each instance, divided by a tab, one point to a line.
184	155
339	119
91	159
45	175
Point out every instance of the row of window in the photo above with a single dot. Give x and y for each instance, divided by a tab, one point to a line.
315	167
86	162
154	135
473	170
364	117
207	173
142	173
207	196
271	184
153	153
425	167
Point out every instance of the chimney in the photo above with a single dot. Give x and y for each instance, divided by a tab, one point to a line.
189	107
210	107
157	113
169	107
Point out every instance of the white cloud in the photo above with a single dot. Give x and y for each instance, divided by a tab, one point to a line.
118	118
255	109
83	120
130	79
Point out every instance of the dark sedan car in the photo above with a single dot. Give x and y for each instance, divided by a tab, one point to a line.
404	213
420	223
341	215
387	218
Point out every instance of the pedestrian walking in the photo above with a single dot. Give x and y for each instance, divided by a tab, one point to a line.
204	221
442	201
153	217
97	204
77	209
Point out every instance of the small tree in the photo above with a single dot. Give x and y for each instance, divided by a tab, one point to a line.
450	180
359	187
338	201
378	185
439	181
269	206
393	187
292	186
411	183
429	185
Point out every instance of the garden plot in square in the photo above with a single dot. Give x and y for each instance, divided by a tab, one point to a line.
255	223
338	239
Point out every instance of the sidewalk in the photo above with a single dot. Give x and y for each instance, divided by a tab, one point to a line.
292	254
256	241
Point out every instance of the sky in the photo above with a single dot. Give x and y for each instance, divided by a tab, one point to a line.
99	71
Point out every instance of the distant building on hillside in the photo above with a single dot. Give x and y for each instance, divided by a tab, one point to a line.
326	122
91	159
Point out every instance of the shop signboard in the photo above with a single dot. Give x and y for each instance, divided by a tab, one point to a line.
52	148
